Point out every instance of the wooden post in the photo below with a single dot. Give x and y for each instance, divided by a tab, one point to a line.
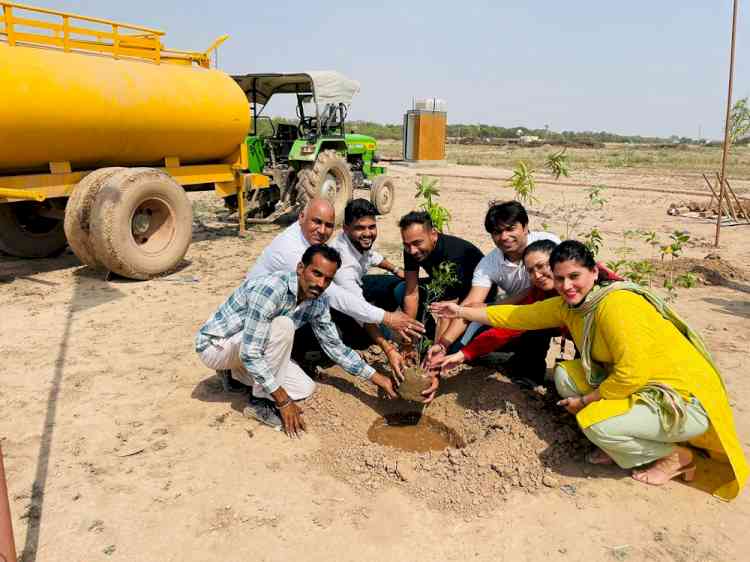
726	124
740	208
732	214
7	545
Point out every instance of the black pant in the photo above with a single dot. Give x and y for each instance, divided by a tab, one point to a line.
387	292
529	358
352	335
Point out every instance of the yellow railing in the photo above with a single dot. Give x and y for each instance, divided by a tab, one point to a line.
22	25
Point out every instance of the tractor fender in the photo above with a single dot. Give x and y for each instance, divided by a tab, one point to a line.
297	154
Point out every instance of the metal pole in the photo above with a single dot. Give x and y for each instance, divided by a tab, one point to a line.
7	545
726	124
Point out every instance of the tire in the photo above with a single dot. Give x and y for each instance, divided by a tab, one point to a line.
24	233
331	178
78	214
141	223
382	194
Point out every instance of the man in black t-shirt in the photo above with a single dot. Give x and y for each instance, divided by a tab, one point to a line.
427	248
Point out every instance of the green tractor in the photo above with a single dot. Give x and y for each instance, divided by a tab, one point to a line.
313	157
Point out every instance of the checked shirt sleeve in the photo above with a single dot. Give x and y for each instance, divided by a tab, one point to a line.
329	340
263	305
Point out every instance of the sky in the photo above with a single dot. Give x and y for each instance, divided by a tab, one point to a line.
653	68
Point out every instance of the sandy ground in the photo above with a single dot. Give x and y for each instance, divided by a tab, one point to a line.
120	445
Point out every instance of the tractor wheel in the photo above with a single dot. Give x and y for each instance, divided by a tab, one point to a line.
141	223
25	231
382	194
331	178
78	214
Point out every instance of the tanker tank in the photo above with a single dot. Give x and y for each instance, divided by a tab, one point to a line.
95	111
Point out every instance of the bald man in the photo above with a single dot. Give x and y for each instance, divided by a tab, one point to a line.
314	226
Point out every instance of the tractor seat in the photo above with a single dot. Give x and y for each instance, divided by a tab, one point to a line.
285	131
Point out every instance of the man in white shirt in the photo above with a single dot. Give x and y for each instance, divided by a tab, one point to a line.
355	245
508	225
315	226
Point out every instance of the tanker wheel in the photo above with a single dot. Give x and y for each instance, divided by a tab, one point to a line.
78	214
25	231
141	223
330	178
382	194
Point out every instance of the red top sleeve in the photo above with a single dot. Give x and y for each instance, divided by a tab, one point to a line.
495	338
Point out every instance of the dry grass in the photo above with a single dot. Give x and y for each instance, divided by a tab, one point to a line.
670	160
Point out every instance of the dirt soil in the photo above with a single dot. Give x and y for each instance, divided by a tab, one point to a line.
120	445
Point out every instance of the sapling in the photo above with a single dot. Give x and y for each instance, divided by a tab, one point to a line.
679	238
427	190
416	379
596	196
558	164
443	277
593	240
523	183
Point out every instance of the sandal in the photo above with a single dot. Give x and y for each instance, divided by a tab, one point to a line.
661	476
597	456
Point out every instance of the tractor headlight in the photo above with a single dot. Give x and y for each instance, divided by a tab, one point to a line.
308	149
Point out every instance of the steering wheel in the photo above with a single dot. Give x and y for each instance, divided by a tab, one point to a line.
306	126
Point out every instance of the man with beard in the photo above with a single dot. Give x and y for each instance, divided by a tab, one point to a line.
427	248
355	245
252	333
315	226
508	225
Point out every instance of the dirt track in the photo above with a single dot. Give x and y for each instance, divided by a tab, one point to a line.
119	445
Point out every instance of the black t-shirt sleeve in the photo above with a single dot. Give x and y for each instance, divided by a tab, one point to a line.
470	256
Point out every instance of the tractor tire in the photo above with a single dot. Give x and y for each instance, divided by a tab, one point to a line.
141	223
382	193
78	214
24	233
329	177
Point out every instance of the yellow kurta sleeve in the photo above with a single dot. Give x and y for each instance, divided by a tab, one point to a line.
537	316
626	325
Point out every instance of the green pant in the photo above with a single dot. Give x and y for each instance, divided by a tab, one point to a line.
636	437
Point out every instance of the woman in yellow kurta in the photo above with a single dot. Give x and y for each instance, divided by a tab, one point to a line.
645	381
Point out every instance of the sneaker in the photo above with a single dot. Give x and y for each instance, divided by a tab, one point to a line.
264	411
231	385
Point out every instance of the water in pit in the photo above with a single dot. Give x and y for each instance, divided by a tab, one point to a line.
413	432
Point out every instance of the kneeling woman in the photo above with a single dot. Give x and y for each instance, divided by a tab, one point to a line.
645	381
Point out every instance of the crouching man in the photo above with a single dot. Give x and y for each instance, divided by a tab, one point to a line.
252	333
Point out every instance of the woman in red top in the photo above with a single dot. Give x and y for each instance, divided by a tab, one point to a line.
536	260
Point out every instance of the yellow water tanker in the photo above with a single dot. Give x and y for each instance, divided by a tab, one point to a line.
93	111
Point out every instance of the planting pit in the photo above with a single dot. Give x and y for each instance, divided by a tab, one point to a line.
481	439
413	432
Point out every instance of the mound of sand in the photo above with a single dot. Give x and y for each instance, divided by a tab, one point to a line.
514	440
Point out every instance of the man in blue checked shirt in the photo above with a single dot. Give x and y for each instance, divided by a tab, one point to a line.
252	333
